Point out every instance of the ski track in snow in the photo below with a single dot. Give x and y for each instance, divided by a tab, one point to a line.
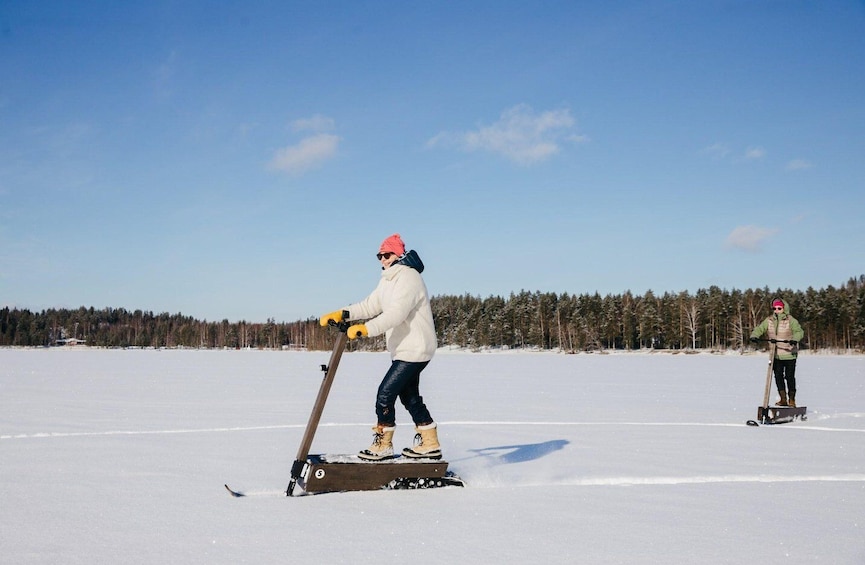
625	481
636	481
587	481
42	435
631	482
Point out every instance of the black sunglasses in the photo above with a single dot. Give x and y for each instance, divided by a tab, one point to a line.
381	256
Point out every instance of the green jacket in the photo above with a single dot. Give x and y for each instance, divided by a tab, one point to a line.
781	326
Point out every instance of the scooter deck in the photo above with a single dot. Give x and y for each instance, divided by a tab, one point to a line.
780	414
339	473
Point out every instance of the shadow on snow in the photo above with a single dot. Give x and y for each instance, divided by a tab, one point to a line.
505	454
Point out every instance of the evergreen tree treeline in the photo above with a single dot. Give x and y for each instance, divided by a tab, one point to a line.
714	319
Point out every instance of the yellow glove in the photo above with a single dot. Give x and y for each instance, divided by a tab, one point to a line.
335	317
356	331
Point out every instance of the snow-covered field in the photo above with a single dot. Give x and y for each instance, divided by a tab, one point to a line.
120	456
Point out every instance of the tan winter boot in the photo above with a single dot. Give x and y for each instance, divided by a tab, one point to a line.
426	444
783	401
382	444
791	399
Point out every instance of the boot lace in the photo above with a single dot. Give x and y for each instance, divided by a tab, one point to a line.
377	438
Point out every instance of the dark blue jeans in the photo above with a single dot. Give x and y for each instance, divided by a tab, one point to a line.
402	381
785	370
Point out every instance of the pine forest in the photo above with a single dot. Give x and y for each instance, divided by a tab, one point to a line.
711	319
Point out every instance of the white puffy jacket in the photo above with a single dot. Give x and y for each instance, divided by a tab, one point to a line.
399	307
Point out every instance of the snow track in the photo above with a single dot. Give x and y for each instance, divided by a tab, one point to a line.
485	481
48	435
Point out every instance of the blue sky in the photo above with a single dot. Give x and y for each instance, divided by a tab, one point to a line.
243	161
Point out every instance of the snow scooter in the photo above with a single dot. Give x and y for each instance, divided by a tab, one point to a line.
767	414
338	473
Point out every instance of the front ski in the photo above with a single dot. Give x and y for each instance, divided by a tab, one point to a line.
234	493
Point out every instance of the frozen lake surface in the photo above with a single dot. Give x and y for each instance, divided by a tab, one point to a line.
110	456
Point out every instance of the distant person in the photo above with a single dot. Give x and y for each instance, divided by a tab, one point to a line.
785	332
399	307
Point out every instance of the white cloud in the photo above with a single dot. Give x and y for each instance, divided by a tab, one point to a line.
311	152
749	238
798	165
520	134
316	123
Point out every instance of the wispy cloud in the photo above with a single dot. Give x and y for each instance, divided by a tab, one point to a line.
316	123
520	134
310	153
719	151
749	238
716	151
798	165
754	153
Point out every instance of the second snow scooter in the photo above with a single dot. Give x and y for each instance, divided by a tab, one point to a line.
767	414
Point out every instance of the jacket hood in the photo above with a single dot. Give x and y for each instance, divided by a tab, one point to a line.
786	306
411	259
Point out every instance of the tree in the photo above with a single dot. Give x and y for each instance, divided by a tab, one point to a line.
691	312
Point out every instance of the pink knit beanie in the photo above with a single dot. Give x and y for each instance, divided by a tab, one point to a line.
392	244
778	302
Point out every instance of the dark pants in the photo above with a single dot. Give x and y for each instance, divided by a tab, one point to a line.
785	369
402	381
